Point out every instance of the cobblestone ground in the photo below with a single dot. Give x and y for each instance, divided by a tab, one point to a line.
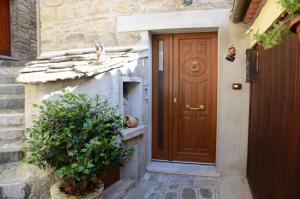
164	186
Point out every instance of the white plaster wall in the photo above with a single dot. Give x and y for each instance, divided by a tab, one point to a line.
233	106
35	93
108	85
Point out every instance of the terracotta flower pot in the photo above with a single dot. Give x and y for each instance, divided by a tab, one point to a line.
295	26
56	193
111	176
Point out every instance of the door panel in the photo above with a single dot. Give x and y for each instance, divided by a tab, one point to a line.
4	28
161	94
195	88
190	96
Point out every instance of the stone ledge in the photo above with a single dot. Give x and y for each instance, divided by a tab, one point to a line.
173	20
183	169
133	132
79	63
10	58
119	189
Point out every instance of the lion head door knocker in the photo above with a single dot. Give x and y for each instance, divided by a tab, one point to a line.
231	53
195	66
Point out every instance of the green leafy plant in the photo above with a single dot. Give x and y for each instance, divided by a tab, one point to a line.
79	137
273	37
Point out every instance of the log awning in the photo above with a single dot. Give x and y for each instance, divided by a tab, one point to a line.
77	63
246	10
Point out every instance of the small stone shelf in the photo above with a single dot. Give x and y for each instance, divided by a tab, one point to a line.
132	97
130	133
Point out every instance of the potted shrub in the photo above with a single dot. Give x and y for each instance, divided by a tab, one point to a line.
79	138
290	23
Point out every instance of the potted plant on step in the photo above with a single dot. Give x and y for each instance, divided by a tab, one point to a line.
79	138
290	23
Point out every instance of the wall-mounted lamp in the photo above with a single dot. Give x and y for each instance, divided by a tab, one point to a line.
187	2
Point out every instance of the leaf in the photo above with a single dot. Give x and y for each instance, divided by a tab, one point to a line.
290	6
272	37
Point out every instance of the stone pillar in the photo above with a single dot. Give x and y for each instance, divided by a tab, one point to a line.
23	29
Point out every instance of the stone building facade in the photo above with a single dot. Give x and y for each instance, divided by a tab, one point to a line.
23	29
78	24
68	24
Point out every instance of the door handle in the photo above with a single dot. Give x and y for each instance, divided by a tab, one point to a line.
200	108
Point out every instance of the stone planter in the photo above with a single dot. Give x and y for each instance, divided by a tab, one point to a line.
295	26
57	194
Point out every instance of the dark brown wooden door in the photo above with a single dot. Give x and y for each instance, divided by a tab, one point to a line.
274	126
4	28
184	97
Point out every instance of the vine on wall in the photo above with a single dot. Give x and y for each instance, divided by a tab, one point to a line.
273	36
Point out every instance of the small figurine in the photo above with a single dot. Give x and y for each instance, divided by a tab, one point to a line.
131	122
231	53
101	56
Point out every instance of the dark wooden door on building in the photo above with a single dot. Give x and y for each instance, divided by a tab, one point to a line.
4	28
274	126
184	97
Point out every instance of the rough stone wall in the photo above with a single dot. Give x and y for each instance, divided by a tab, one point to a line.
68	24
23	29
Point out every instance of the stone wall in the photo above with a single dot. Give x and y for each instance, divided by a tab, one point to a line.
68	24
23	29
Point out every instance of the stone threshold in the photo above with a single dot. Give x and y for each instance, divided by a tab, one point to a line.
9	58
183	169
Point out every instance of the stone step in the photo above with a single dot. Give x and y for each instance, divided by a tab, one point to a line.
10	71
183	169
11	134
11	152
11	89
12	101
8	79
22	181
119	189
11	119
12	63
7	111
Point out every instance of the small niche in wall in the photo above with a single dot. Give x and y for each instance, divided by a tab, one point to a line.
132	97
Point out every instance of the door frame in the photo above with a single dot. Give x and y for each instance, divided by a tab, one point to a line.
172	107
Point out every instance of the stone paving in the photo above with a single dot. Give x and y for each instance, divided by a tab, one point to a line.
167	186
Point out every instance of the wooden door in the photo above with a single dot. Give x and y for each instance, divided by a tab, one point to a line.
4	28
274	125
184	97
